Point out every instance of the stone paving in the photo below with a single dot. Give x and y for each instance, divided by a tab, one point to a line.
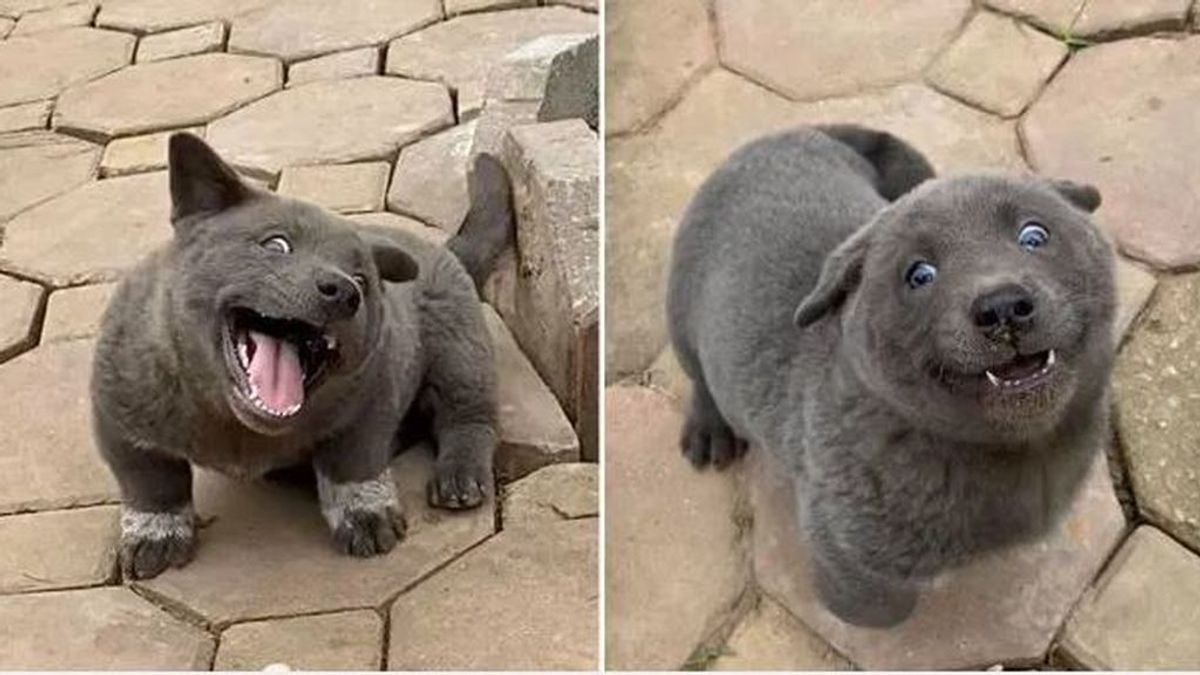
369	108
1095	90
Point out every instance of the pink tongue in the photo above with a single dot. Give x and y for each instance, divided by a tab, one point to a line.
275	373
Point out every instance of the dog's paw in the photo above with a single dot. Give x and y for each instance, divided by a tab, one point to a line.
706	442
862	601
364	533
151	542
457	485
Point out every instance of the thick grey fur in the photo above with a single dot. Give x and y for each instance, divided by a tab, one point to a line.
412	337
789	310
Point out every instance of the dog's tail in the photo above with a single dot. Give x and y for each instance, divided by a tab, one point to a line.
899	166
490	224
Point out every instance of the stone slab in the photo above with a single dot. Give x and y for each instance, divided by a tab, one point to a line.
202	88
534	431
1003	608
20	311
771	639
495	120
338	641
1152	88
1158	408
1135	285
523	74
58	549
416	227
39	165
833	47
1143	612
430	180
97	629
155	16
305	28
41	66
351	63
461	51
67	240
64	16
50	378
552	494
16	8
207	37
666	375
344	188
25	117
264	533
998	64
1098	18
533	593
75	313
138	154
307	125
653	50
675	557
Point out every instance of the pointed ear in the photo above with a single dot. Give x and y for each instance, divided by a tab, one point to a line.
201	182
393	264
1082	195
841	273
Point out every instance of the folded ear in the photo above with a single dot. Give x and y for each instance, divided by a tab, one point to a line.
393	263
1082	195
840	274
201	182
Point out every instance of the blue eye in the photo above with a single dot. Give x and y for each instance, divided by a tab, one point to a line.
1032	235
920	274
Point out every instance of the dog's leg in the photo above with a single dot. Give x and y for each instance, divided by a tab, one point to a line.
158	524
707	437
358	497
855	594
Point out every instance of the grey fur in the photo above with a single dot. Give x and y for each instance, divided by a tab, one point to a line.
410	336
372	502
906	459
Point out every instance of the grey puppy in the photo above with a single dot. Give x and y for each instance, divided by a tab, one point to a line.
928	356
270	332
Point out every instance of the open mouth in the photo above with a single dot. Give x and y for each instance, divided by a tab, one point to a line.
1023	371
277	361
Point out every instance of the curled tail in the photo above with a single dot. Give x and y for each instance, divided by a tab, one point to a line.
898	165
489	227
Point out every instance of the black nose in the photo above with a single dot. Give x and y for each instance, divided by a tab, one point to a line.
1009	308
338	292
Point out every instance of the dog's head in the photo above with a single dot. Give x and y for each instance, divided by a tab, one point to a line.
273	298
980	307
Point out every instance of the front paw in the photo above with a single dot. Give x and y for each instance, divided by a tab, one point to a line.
458	485
153	541
364	533
707	441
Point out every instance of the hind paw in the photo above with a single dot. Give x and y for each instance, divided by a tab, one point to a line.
705	443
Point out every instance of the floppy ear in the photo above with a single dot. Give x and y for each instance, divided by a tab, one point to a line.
899	167
840	274
201	182
1082	195
393	264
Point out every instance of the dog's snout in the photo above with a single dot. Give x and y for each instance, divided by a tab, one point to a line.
338	291
1007	308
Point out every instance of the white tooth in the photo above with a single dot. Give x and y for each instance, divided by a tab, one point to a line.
330	342
996	382
1050	359
242	355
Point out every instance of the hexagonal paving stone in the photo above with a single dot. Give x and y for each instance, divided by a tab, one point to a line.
303	28
38	165
532	593
307	124
344	188
1135	285
675	557
207	37
137	154
1099	18
66	16
50	461
100	628
20	306
833	47
771	639
19	7
67	239
24	117
266	533
460	52
165	94
998	63
430	180
1157	392
154	16
552	494
1152	90
1142	613
40	66
654	48
58	549
74	313
1002	608
351	63
339	641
